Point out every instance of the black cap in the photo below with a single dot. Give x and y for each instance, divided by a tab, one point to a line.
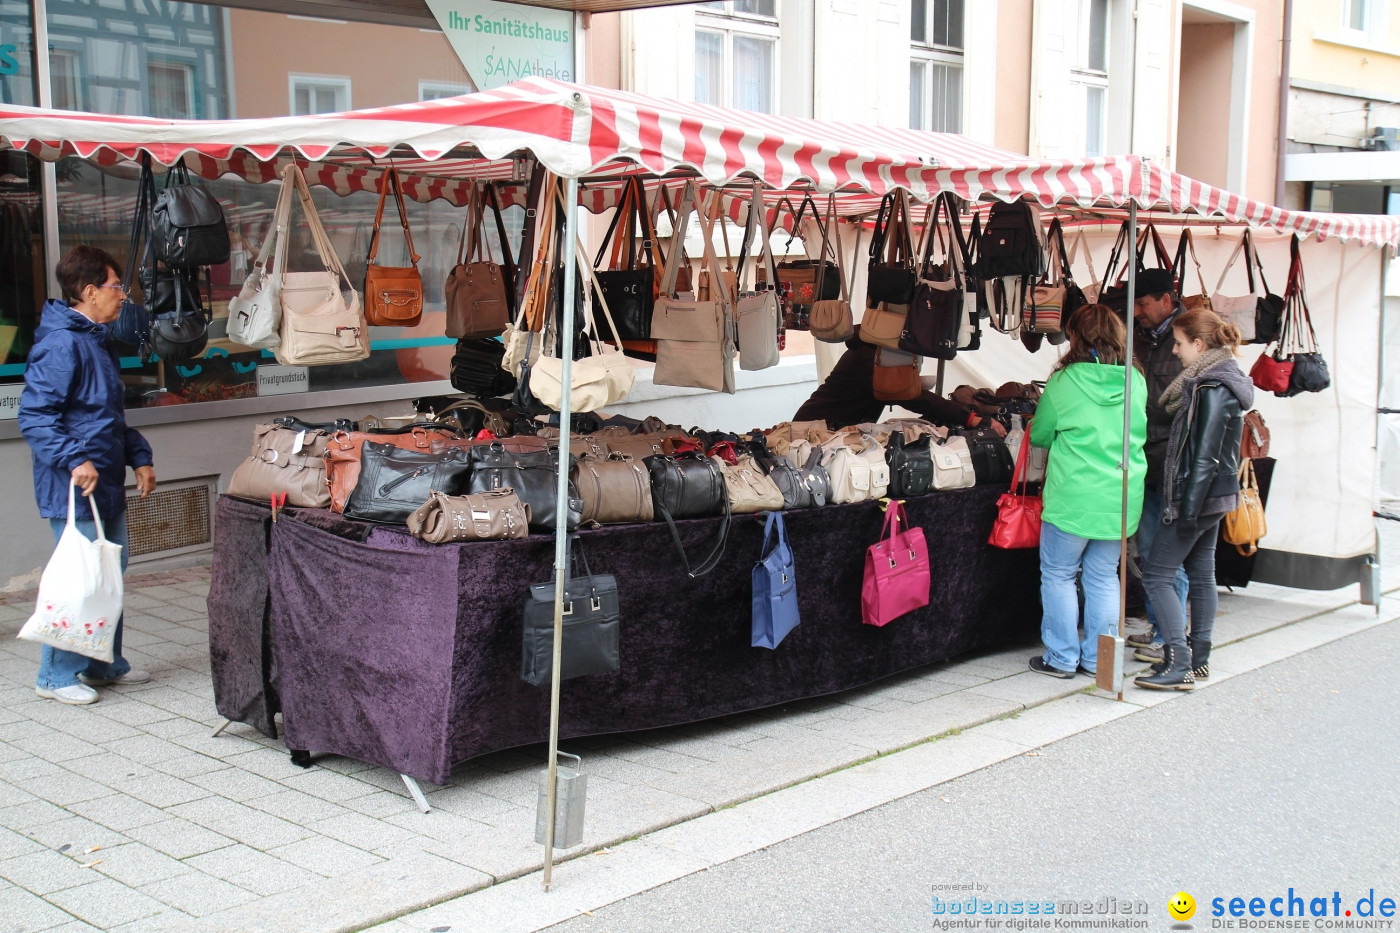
1153	282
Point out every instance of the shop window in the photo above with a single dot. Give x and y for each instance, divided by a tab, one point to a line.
319	94
436	90
23	279
16	54
1088	39
936	65
736	54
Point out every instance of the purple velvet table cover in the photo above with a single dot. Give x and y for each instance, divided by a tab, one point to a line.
407	655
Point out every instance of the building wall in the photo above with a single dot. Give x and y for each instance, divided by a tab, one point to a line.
1325	50
1013	75
1207	60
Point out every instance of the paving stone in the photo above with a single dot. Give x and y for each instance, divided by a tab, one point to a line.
118	812
24	911
105	903
328	785
13	844
358	830
60	789
31	813
188	766
439	824
12	732
44	871
250	756
253	827
160	790
171	612
12	795
75	831
135	864
234	860
386	803
275	880
107	767
197	894
179	838
237	784
303	808
24	765
325	857
463	801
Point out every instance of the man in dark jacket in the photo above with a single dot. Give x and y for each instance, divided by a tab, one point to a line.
71	414
848	396
1155	307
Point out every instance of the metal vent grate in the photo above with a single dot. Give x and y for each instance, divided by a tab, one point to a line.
171	520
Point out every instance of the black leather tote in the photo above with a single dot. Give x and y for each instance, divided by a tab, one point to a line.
689	485
591	627
394	482
911	466
991	458
535	478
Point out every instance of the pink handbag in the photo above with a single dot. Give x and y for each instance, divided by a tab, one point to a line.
897	576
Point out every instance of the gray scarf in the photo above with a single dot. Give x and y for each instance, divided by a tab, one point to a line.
1171	399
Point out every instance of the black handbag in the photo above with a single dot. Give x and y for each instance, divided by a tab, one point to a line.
911	465
891	276
187	224
476	368
991	458
1310	373
816	479
630	291
591	627
394	482
179	329
788	478
689	485
935	318
535	478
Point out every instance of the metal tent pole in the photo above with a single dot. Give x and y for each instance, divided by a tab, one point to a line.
561	511
1127	443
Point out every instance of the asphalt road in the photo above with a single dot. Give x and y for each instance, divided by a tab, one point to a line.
1282	778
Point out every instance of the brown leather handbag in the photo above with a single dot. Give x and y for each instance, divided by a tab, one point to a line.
344	448
589	445
287	457
477	288
614	490
393	294
1254	442
484	516
896	376
641	446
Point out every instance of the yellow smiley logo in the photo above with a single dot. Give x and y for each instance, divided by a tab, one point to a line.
1182	906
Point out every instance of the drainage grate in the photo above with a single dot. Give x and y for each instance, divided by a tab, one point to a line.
170	520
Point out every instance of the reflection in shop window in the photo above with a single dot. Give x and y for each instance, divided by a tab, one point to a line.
171	90
319	94
65	77
437	90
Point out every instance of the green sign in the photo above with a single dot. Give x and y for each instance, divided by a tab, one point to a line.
503	42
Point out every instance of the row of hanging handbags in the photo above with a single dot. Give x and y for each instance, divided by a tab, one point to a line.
1295	365
1259	313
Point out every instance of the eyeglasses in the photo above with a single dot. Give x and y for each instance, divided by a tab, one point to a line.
126	292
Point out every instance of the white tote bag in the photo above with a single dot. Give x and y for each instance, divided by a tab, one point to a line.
80	593
255	313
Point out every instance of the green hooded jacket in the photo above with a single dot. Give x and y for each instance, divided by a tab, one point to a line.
1080	419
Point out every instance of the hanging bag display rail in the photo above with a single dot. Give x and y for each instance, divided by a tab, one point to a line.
393	294
775	612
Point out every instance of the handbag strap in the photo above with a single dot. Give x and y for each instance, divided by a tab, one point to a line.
712	561
828	248
327	252
1079	239
679	223
469	246
1258	264
586	271
774	522
707	219
1298	319
391	179
1230	264
141	221
1184	245
1019	474
894	514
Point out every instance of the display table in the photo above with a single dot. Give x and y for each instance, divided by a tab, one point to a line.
407	655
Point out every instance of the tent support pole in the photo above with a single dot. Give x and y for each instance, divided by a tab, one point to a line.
1127	432
561	510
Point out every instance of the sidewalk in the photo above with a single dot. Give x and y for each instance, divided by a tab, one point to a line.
127	815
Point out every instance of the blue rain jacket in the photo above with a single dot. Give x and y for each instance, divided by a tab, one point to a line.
71	411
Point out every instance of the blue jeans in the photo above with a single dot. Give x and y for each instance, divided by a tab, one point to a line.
1196	549
1152	508
1062	556
59	668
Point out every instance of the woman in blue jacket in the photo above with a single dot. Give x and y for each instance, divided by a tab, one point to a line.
71	414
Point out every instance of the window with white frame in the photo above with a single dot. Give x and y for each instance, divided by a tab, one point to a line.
1088	42
936	65
65	77
170	89
736	54
1356	14
436	90
318	94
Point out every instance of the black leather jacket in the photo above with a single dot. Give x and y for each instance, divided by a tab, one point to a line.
1206	464
1160	366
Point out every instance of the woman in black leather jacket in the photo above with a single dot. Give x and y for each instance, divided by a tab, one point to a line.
1200	483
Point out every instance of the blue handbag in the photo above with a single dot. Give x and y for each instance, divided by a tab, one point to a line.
774	588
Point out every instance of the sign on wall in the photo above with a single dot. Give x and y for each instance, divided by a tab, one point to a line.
503	42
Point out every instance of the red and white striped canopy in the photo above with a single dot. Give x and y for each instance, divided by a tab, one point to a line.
601	135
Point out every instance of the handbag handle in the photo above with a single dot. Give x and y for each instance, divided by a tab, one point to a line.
96	518
1240	247
774	520
712	561
1088	255
327	252
391	178
831	224
1184	245
679	225
1022	468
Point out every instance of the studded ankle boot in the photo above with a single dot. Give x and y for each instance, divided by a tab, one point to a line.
1176	676
1200	658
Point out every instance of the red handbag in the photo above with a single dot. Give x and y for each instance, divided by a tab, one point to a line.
897	578
1270	373
1018	515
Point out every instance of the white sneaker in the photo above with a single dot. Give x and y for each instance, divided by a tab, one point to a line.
132	676
75	695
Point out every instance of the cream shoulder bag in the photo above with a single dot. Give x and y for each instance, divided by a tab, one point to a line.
757	314
255	313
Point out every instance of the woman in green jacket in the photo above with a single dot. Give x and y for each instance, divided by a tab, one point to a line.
1080	419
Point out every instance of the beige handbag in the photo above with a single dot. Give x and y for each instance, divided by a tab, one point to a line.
750	489
284	459
952	464
831	319
695	343
320	325
484	516
849	472
1244	526
476	288
756	315
874	457
1238	310
614	490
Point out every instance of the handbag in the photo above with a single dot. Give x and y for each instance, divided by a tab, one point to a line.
952	464
1310	372
394	482
1202	299
614	488
534	475
188	229
775	612
628	282
344	450
831	319
690	486
590	631
286	457
1056	296
1239	310
487	516
393	294
80	592
1271	373
991	459
1254	441
896	376
1017	523
849	474
477	368
897	577
792	484
255	313
891	276
1246	525
478	290
873	456
807	280
911	466
938	309
320	325
757	313
749	489
694	339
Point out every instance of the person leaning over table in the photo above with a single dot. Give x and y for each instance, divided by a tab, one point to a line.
72	416
848	396
1080	419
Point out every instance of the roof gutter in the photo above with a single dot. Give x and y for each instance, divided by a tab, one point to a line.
1285	66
